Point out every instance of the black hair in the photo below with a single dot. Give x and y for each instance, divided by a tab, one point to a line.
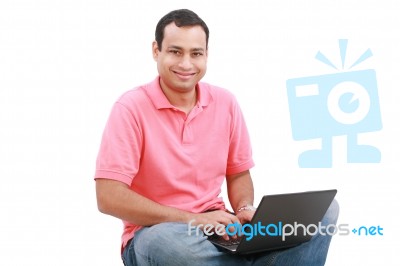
181	18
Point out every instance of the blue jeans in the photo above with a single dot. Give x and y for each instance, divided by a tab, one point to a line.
170	244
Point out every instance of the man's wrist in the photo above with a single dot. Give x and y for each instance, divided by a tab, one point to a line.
246	207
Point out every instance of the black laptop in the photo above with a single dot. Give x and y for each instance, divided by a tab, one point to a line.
275	218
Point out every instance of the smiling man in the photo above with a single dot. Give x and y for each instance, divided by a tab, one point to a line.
167	148
181	58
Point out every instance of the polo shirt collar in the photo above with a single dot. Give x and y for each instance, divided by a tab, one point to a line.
160	101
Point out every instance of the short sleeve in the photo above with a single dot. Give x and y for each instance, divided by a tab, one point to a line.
120	148
240	152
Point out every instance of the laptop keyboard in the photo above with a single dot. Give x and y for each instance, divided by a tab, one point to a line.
227	243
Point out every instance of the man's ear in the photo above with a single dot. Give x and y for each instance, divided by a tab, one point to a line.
155	50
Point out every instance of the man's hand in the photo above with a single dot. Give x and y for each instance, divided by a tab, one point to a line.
245	216
215	218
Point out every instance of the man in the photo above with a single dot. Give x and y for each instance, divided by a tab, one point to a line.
166	150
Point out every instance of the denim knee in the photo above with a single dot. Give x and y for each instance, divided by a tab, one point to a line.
332	214
163	242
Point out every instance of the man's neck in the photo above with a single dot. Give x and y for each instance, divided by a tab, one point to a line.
183	101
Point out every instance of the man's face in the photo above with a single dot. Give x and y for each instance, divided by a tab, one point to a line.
182	61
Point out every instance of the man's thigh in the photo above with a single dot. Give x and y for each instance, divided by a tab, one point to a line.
173	244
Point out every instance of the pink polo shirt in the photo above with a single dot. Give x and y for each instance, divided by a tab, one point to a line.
174	159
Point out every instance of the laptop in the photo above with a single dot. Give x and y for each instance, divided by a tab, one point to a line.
274	219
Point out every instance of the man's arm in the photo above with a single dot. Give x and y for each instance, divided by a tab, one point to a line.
117	199
241	193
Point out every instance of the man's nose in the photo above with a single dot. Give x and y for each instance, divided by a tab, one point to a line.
185	62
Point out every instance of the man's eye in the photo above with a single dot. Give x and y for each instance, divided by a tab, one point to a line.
175	52
197	54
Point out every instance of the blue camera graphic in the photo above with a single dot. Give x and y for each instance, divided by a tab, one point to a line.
325	106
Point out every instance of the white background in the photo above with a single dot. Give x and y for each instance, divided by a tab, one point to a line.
64	63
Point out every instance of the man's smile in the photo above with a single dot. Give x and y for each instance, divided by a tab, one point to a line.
184	75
